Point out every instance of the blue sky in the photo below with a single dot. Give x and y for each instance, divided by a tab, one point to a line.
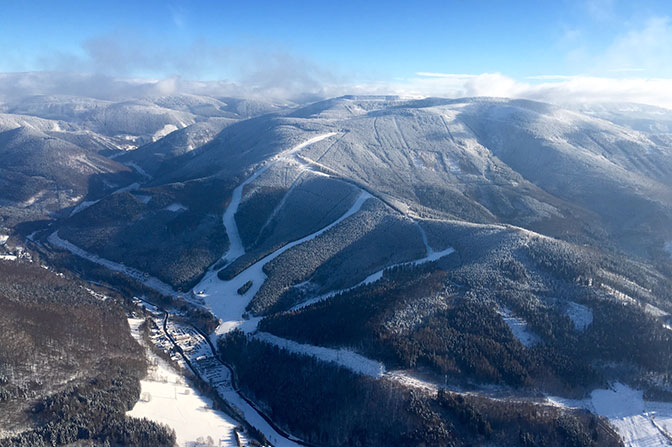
351	43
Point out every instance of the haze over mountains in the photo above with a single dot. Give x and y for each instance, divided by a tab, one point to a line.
459	262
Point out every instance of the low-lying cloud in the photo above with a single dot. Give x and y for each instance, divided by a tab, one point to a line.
289	82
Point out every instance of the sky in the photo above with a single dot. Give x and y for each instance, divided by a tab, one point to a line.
587	49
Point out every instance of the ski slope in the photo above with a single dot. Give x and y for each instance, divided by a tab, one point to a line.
639	423
342	357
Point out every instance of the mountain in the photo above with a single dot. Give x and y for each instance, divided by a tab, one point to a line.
374	270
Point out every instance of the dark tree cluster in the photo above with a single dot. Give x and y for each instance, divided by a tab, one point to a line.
328	405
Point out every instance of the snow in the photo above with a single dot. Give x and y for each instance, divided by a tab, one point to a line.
668	247
172	401
144	199
176	207
195	347
8	257
222	297
581	316
3	239
639	423
519	328
165	130
147	280
343	357
82	206
131	187
138	169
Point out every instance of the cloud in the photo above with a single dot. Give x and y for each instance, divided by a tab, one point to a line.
557	89
288	79
648	48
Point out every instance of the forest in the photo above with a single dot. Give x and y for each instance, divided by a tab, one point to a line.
69	368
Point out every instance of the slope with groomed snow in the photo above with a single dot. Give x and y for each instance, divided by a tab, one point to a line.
518	327
342	357
168	399
638	422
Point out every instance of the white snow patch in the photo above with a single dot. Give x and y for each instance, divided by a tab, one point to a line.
143	198
581	316
343	357
519	328
638	422
138	169
8	257
222	297
131	187
168	399
165	130
176	207
82	206
3	239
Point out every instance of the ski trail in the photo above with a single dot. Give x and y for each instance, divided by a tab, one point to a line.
343	357
222	297
236	248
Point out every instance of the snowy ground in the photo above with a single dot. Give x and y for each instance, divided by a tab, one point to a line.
581	316
176	207
519	328
343	357
668	247
166	398
638	422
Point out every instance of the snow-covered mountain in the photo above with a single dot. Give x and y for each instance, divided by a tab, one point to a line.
501	247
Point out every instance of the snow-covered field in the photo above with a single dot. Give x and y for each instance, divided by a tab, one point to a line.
176	207
342	357
581	316
639	423
519	328
168	399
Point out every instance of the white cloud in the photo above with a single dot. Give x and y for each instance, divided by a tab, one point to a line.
295	80
557	89
648	48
